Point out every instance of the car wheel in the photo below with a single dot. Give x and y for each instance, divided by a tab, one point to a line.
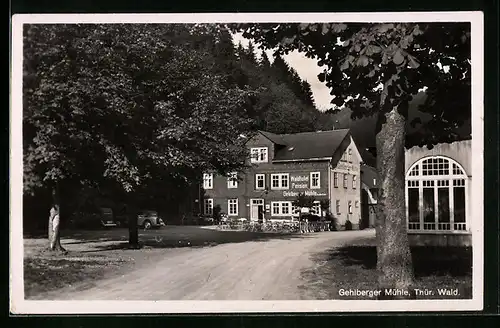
147	225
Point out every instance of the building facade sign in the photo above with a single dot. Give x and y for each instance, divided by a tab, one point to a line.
301	184
313	193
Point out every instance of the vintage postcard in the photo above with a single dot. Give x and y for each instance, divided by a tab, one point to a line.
246	163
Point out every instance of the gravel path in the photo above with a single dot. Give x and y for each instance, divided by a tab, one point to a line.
253	270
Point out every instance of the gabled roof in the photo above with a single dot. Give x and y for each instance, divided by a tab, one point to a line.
306	145
274	138
369	176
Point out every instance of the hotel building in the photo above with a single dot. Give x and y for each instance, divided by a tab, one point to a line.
324	165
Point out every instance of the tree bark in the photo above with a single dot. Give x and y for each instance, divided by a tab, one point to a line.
394	262
133	230
55	223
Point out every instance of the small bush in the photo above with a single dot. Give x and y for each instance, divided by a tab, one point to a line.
348	225
217	213
332	219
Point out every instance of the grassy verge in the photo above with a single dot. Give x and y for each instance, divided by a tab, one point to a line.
344	273
48	271
97	255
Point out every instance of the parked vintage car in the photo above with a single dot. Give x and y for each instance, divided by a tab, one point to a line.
96	219
196	219
149	219
107	219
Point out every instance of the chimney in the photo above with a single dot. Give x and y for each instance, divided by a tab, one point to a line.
333	125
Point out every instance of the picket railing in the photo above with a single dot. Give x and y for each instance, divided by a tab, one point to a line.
277	226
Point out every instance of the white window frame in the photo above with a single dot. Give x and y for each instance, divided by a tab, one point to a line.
349	206
280	205
257	152
345	180
337	206
354	181
257	176
208	181
280	181
356	204
232	201
311	175
232	180
275	205
349	155
210	207
419	181
288	206
335	179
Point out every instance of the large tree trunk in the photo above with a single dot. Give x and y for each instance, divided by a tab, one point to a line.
133	230
55	222
394	261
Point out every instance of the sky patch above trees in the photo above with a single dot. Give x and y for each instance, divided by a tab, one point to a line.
307	69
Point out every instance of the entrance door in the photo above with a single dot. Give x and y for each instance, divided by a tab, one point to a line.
365	210
256	208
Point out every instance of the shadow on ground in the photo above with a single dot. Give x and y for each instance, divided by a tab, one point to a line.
427	261
197	240
355	268
166	237
94	255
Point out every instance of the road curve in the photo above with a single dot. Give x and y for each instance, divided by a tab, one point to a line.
253	270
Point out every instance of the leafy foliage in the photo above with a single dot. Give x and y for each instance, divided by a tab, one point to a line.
128	104
303	200
282	102
373	68
325	204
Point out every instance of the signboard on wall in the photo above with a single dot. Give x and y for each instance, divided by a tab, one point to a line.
313	193
301	184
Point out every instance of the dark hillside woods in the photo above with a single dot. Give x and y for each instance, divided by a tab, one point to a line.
376	70
283	102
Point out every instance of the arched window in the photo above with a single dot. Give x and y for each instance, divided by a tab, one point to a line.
436	195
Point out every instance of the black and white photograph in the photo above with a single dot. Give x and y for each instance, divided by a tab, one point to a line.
223	163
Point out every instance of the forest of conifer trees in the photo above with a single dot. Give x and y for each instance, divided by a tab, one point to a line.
283	102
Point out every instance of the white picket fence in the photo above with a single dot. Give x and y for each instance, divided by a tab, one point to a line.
278	226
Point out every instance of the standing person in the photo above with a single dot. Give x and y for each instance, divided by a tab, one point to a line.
54	227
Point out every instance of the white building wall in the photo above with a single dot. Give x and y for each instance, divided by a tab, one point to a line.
344	195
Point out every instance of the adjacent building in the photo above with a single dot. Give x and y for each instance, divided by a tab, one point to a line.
438	194
327	166
369	195
323	165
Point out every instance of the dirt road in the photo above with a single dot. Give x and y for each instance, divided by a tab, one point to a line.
253	270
